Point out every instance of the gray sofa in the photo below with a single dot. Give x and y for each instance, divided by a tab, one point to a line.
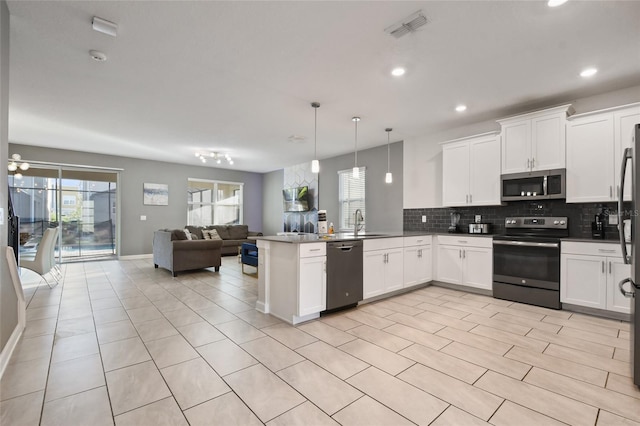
232	236
172	251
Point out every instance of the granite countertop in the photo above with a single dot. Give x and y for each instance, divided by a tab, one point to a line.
345	236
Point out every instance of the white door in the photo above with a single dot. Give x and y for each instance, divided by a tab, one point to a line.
455	174
548	142
394	270
312	297
478	267
484	171
590	159
449	264
617	272
516	147
583	280
411	266
373	273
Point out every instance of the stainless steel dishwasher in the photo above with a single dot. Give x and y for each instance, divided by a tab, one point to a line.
344	274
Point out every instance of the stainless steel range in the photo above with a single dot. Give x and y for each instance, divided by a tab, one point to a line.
526	260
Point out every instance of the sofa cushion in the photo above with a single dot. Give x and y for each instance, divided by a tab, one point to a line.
223	231
238	232
197	230
210	234
178	234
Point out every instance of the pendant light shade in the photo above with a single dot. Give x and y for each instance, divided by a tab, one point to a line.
388	178
356	169
315	164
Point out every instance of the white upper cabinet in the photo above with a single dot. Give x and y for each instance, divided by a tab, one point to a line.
534	141
595	145
471	171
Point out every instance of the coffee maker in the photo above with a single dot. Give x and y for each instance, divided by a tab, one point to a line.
455	219
597	227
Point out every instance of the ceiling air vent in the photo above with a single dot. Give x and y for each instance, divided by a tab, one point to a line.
408	25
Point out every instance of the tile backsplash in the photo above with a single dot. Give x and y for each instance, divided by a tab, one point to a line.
580	216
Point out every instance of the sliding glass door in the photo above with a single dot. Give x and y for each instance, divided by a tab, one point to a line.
81	202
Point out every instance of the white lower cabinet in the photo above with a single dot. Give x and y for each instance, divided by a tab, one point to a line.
417	262
589	276
383	266
465	261
312	295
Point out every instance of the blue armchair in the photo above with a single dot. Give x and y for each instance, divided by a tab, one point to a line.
249	255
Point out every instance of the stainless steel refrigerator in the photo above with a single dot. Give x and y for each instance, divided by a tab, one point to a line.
630	287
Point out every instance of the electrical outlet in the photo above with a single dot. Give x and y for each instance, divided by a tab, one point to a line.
143	217
613	218
424	218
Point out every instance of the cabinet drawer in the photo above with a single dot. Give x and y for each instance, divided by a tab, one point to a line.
313	249
417	241
592	249
382	243
465	240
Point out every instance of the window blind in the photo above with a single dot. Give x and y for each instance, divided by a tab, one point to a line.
351	195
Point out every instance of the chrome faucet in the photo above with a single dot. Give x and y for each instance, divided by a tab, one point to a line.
357	222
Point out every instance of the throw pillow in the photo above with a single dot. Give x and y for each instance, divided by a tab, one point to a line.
212	233
188	234
205	234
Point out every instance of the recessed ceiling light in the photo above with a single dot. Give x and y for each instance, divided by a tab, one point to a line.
588	72
397	72
461	108
556	3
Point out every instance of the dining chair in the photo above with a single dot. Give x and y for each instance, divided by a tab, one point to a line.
44	262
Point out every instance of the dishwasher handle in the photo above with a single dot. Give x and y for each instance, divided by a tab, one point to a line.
345	248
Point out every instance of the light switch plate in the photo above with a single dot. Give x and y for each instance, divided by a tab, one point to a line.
478	218
613	218
143	217
424	218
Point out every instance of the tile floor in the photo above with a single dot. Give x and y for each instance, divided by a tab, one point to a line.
121	342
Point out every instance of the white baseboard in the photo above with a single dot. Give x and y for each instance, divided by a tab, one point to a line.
6	353
261	307
136	256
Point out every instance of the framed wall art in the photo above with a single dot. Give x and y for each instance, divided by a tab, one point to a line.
155	194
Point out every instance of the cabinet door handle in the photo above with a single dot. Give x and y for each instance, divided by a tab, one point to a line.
470	198
609	267
618	190
606	251
528	164
466	199
603	266
533	163
610	191
464	254
460	253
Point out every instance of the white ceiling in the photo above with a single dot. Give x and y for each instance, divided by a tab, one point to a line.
238	77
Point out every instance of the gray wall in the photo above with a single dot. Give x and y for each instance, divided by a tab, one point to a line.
383	201
136	235
272	209
8	298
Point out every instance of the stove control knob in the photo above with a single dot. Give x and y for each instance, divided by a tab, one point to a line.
562	222
555	222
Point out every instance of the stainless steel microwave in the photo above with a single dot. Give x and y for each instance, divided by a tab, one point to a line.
538	185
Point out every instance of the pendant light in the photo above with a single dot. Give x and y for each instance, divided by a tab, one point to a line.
388	178
315	164
356	169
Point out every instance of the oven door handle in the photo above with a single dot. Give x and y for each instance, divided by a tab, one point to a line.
526	244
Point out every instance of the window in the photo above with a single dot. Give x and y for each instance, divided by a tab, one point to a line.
213	202
351	197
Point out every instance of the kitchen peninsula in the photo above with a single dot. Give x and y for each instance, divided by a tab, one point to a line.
292	270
